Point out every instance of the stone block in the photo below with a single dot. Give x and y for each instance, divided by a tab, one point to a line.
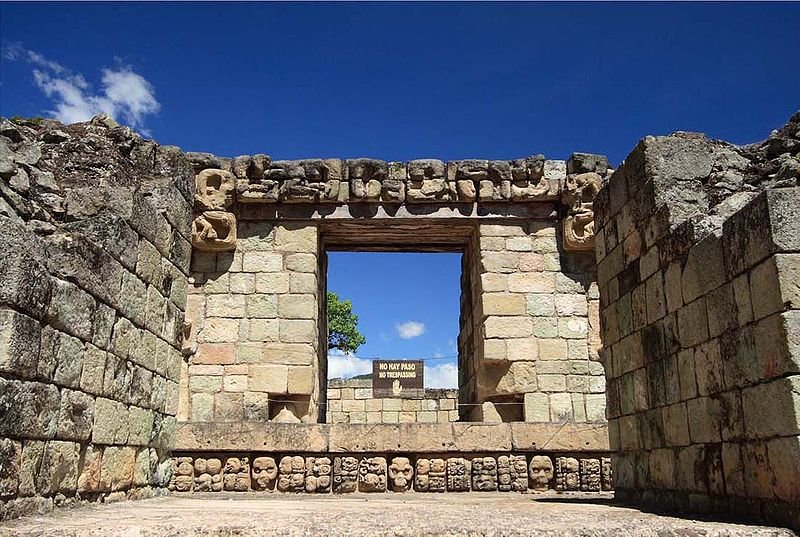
561	407
503	304
269	378
552	349
116	471
541	304
508	327
215	353
298	331
693	323
704	269
262	306
202	406
59	468
771	409
656	300
741	295
71	309
233	306
243	283
300	282
262	262
783	456
596	408
28	409
292	306
522	349
301	263
110	422
573	327
20	336
263	330
75	416
218	330
709	368
777	343
705	418
140	426
300	380
567	305
531	282
722	313
275	282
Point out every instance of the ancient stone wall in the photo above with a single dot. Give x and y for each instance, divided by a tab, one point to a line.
351	401
95	242
698	276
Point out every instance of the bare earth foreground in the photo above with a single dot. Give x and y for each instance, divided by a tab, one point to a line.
358	514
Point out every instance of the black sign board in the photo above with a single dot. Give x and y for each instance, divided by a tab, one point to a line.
398	378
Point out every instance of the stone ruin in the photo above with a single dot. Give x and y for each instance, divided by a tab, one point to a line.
162	324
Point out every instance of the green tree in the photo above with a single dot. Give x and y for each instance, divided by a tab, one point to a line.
343	331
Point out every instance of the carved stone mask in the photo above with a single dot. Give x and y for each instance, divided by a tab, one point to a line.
214	189
540	472
265	471
401	472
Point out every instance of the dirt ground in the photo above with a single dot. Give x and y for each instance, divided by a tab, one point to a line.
407	515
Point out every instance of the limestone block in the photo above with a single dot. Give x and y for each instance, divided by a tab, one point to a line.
536	407
271	378
502	262
59	468
75	416
297	331
484	474
71	309
540	472
265	473
263	330
366	178
709	368
307	181
345	474
401	474
19	344
525	349
11	455
693	323
372	474
207	475
202	405
214	231
89	479
274	282
301	380
771	409
531	282
567	474
705	418
458	474
503	304
508	327
292	306
301	263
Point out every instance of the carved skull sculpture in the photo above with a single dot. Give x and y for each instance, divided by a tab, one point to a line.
540	472
579	192
214	189
265	472
401	473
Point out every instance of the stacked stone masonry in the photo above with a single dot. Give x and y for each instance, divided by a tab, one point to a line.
698	277
351	401
341	474
96	248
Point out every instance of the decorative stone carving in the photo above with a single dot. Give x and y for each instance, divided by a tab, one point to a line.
427	182
529	182
590	475
307	181
578	195
318	474
183	471
365	177
458	474
372	474
265	473
431	475
401	474
214	231
606	474
567	474
188	347
484	474
512	473
292	474
393	189
207	475
287	414
236	474
540	472
214	190
253	184
345	474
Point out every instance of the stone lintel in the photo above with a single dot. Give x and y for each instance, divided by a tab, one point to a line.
392	437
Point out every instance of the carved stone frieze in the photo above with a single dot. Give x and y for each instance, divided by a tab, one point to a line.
578	195
214	231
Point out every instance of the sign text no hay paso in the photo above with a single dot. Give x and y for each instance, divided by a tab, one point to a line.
398	378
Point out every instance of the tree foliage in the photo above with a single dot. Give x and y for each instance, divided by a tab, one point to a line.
343	331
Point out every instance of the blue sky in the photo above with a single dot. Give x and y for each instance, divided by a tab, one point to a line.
403	80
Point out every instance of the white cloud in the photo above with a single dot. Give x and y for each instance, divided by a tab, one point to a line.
124	94
347	365
410	329
441	376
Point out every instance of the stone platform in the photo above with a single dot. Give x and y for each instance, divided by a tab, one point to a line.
408	514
